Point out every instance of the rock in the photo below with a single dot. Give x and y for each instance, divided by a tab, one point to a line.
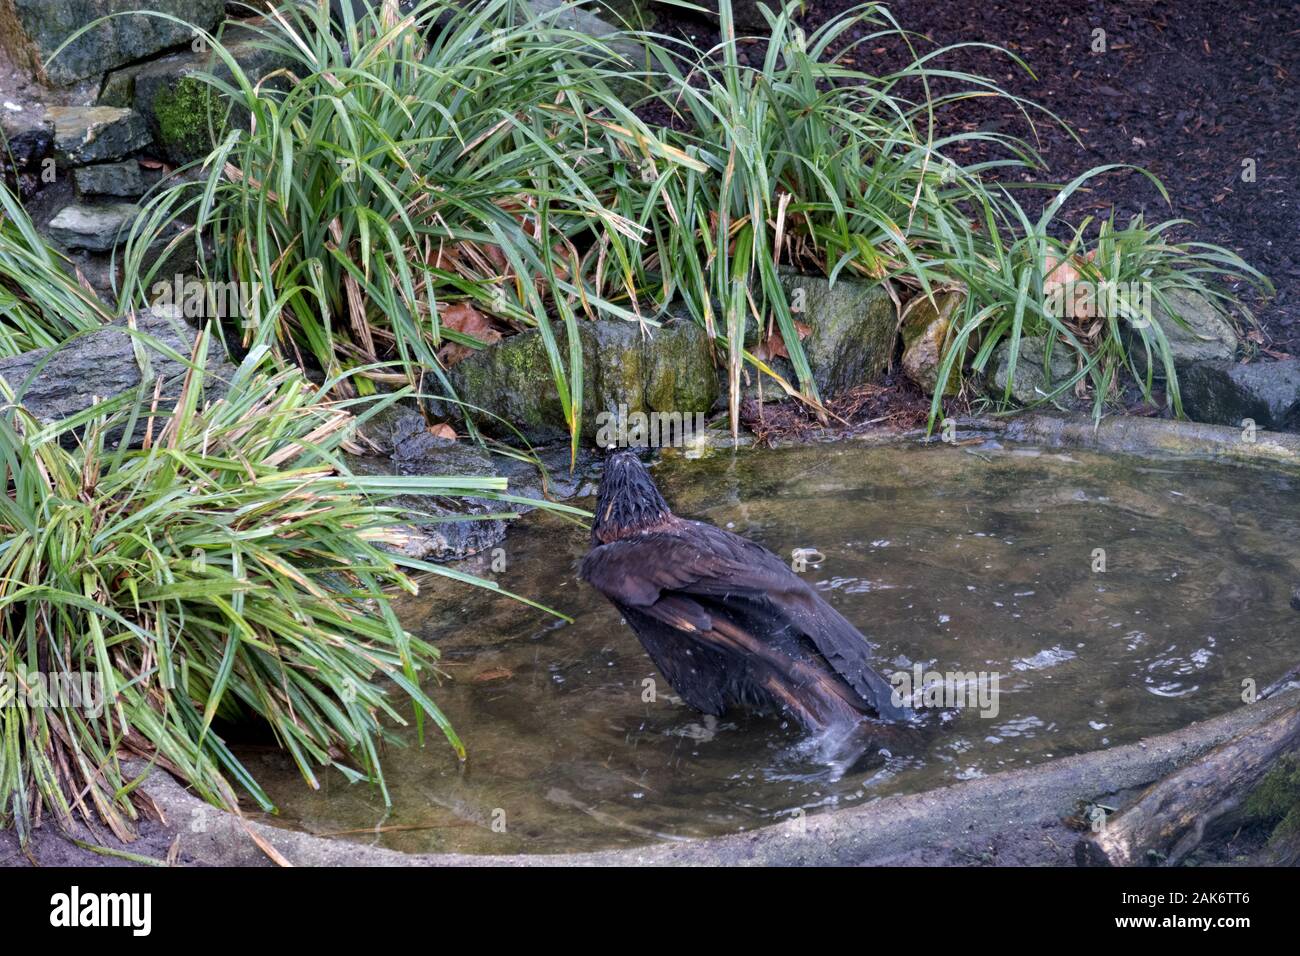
755	385
392	426
574	17
559	483
439	527
925	331
103	364
28	135
185	116
1226	393
423	453
669	369
746	13
110	179
1206	337
627	14
854	328
96	134
96	228
1029	383
31	30
442	456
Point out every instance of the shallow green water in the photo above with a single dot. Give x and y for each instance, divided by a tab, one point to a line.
956	558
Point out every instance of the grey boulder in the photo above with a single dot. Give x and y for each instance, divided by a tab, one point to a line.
854	327
32	30
53	384
95	228
667	370
1033	378
1228	393
96	134
119	180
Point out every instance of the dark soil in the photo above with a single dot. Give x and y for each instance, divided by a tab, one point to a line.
51	847
1187	89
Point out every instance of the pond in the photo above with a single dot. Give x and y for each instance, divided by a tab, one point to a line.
1112	598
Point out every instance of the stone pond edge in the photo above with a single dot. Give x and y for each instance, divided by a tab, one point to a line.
861	835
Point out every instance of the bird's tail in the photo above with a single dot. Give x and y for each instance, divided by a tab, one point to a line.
885	701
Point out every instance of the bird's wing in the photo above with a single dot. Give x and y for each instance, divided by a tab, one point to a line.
711	563
699	675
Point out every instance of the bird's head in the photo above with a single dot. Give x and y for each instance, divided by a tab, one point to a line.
628	501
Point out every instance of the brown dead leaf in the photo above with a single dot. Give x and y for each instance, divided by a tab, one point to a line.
774	346
1059	275
493	673
463	317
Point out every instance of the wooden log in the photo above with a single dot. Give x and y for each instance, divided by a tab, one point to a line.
1170	818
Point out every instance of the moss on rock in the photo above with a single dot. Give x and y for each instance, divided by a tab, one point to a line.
668	369
854	329
187	115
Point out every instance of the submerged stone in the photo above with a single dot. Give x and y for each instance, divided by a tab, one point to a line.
445	528
441	527
451	528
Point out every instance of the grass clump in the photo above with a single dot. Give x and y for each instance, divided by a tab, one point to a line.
1098	296
384	177
814	165
406	164
229	568
1276	803
41	303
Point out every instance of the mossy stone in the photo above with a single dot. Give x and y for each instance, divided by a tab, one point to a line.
186	115
854	328
665	369
32	30
927	333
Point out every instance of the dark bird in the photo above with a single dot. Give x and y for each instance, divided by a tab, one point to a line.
725	620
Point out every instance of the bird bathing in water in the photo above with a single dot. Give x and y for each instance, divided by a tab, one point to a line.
725	621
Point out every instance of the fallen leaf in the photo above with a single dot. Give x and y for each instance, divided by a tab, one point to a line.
774	346
1059	275
464	318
